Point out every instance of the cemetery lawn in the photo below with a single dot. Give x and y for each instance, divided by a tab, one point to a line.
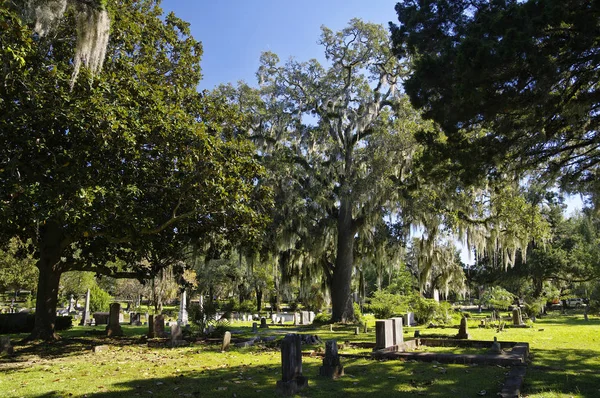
565	363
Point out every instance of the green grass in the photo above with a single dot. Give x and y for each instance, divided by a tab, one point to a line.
566	363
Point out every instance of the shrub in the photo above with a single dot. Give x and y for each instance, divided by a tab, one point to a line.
385	304
358	316
322	318
99	299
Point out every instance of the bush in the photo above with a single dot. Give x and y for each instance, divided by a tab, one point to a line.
385	304
322	319
99	299
358	316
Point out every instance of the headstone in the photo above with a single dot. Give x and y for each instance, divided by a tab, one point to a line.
384	334
366	327
113	328
5	346
183	318
156	326
101	318
121	317
71	304
296	319
176	333
311	317
273	319
292	379
516	316
331	363
254	327
496	347
85	319
280	320
263	323
150	319
409	319
357	331
397	330
462	330
304	318
135	319
226	341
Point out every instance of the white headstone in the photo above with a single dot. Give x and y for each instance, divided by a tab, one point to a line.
183	314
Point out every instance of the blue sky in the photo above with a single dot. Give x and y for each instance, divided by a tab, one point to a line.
234	33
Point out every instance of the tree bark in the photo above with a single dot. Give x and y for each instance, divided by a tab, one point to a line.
341	284
48	281
258	299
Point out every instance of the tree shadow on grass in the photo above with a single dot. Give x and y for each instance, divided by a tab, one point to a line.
363	378
569	371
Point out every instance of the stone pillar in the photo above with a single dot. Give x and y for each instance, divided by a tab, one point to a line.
113	328
462	330
397	328
384	334
292	379
85	319
331	363
183	314
226	341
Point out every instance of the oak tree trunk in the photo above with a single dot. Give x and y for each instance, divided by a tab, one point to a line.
341	284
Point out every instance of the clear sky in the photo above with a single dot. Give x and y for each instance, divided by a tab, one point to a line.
235	32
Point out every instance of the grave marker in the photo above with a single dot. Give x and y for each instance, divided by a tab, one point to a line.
331	363
183	318
85	319
226	341
397	330
462	330
113	329
292	379
384	334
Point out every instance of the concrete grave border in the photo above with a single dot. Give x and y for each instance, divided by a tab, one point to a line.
516	358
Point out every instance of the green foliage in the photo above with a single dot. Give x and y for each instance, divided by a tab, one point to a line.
497	297
322	318
99	299
17	266
507	84
358	315
385	304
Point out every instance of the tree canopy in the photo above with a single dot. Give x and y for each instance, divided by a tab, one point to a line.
132	163
511	83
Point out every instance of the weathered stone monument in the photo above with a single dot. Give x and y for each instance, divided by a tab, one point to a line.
71	304
462	329
409	319
516	315
176	333
156	326
113	329
85	318
5	346
183	318
384	334
292	379
254	327
496	347
263	323
331	363
135	319
397	330
226	341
